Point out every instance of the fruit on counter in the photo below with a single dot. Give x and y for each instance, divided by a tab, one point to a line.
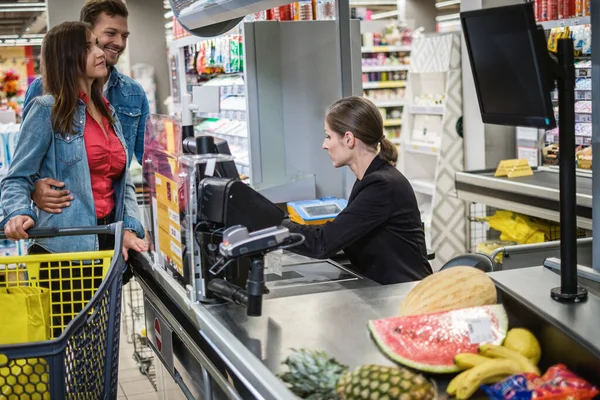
524	342
380	382
316	376
494	351
476	376
430	342
451	289
520	339
469	360
312	374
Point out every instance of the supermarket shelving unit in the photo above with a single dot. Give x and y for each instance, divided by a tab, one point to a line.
431	150
392	103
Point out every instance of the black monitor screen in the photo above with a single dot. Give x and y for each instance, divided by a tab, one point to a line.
509	60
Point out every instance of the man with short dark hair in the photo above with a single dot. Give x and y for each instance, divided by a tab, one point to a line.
108	20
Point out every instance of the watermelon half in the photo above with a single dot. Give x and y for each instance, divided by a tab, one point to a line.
429	342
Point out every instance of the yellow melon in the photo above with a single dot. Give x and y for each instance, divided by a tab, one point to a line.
451	289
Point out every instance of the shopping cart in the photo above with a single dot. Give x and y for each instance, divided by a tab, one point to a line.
81	360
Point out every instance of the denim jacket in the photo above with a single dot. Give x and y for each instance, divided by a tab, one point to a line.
42	152
130	102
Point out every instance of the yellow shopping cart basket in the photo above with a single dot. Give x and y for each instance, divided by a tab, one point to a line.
81	359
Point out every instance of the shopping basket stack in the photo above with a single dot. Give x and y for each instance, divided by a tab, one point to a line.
80	359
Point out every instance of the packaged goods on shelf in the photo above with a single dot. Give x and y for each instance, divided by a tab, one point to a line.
584	158
385	94
384	76
550	10
550	154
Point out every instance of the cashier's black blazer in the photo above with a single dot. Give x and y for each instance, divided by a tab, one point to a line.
380	230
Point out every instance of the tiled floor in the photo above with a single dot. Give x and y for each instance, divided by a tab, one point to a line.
132	384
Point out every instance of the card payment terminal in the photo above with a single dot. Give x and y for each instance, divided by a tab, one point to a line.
315	212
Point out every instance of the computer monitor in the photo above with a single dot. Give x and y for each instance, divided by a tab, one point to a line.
510	65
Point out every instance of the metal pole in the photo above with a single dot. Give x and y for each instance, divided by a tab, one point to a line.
568	290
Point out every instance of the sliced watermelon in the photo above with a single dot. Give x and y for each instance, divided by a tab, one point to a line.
429	342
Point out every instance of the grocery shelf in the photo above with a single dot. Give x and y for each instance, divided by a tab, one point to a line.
384	68
384	85
384	49
560	23
422	148
396	141
389	103
392	122
423	186
537	195
185	41
432	110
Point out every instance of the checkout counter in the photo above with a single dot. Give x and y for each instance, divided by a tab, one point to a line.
217	351
199	284
224	306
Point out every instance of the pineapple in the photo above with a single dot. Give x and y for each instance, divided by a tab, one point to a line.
314	375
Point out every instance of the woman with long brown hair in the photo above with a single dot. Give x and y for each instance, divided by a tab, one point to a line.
380	230
72	134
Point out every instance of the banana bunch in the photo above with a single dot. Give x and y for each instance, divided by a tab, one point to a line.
520	353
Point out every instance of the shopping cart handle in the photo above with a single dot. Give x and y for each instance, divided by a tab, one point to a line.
43	232
49	232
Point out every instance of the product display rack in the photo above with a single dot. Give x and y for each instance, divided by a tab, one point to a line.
431	150
384	71
230	123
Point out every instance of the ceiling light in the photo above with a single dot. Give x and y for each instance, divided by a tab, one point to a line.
9	36
446	3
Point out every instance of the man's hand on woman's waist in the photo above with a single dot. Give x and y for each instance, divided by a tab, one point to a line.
49	199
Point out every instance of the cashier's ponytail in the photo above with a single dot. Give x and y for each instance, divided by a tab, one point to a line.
361	117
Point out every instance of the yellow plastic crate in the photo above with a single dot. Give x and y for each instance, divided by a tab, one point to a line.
72	278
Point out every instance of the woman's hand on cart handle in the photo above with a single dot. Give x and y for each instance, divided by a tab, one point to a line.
16	227
131	241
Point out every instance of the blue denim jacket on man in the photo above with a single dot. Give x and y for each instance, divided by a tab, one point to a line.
43	153
130	102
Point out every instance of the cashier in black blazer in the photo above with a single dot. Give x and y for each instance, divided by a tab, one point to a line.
380	230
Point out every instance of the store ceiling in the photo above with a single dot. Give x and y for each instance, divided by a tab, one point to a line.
22	18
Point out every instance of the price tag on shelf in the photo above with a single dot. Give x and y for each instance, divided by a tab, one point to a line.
480	330
514	168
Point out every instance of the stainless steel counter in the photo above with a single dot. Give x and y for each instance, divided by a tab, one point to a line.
252	349
536	195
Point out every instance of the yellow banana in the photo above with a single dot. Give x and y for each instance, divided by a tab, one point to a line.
456	382
478	374
494	351
469	360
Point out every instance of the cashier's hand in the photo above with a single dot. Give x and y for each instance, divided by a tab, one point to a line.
49	199
15	227
131	241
